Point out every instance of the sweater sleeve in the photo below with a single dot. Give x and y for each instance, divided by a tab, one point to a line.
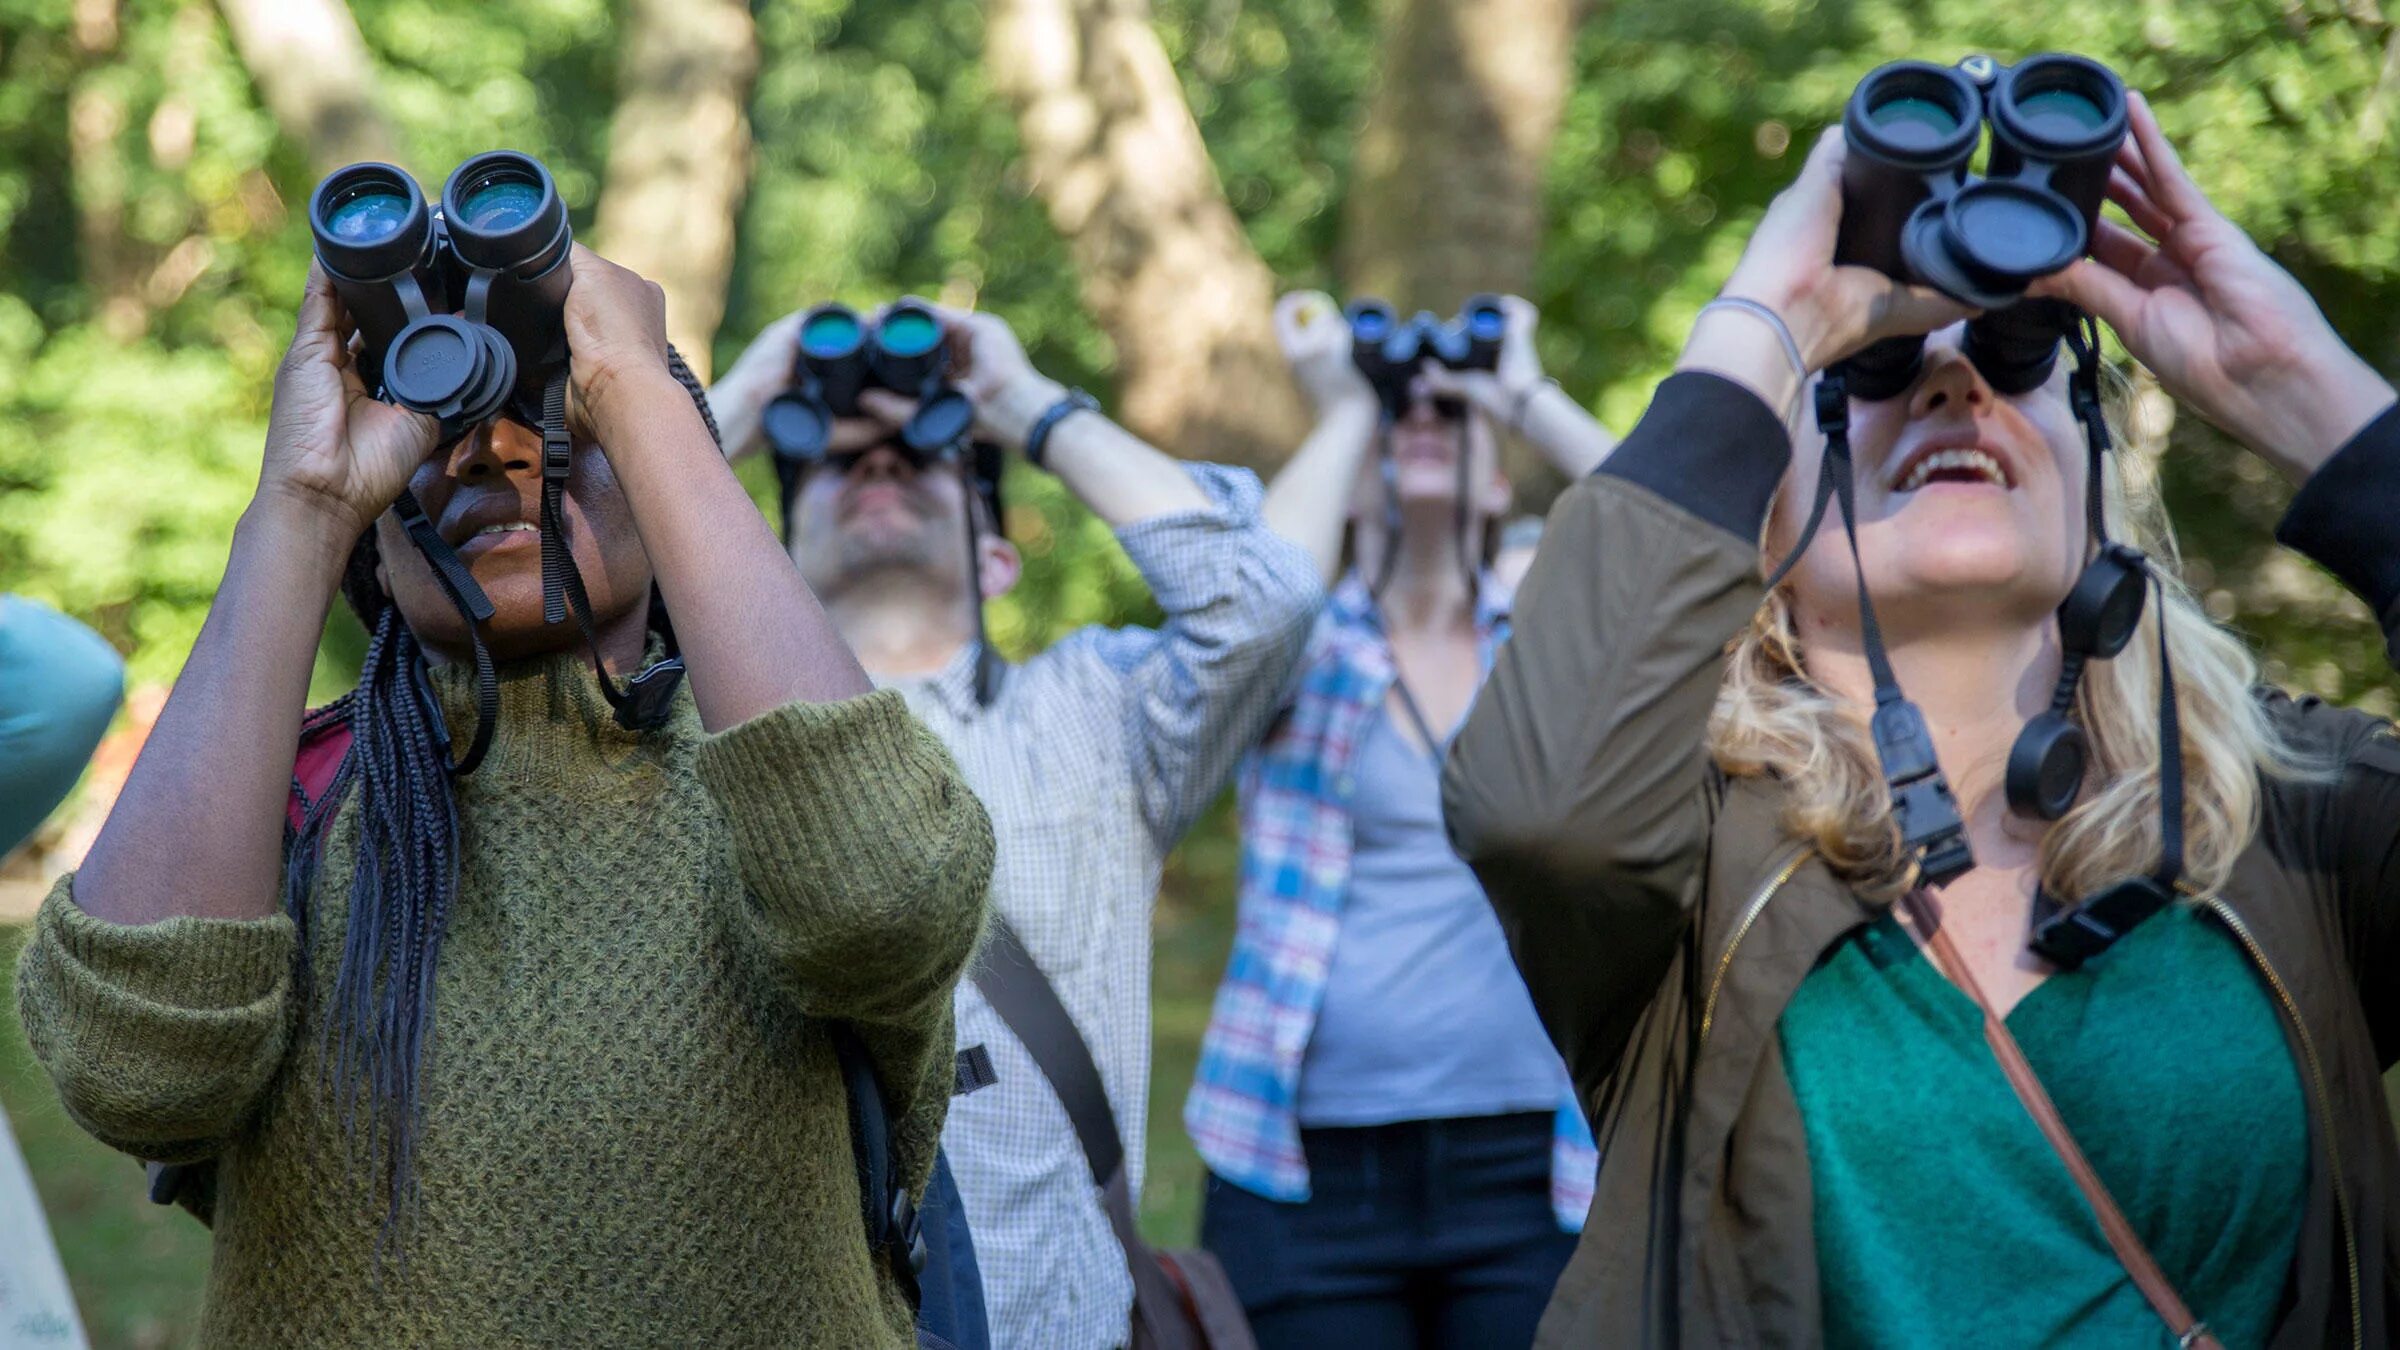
162	1038
1578	789
865	859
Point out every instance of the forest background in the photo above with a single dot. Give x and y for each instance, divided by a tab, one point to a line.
1129	182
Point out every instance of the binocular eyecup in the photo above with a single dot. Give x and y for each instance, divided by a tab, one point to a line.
841	356
1912	211
1390	351
497	252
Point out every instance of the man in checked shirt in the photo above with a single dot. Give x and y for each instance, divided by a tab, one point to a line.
1093	757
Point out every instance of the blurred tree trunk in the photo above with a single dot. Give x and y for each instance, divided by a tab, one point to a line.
1445	196
1112	151
311	66
679	157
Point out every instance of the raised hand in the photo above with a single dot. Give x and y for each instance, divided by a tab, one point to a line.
2221	325
616	324
762	371
990	367
1316	341
1500	391
330	448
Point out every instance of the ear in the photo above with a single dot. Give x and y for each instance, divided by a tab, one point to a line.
997	566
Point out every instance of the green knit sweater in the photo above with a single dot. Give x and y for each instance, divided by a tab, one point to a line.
635	1131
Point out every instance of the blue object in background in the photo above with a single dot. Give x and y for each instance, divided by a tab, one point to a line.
59	686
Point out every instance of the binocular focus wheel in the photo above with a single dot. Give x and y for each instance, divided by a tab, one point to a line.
2045	767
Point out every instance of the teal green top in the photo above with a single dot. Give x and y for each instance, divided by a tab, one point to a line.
1942	1215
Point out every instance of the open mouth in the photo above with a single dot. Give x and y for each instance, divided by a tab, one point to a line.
500	535
1953	465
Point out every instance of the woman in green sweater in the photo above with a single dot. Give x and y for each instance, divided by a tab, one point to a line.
538	1054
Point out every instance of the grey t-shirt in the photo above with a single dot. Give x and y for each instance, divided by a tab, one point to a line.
1425	1016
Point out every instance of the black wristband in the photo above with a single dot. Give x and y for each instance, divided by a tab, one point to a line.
1037	439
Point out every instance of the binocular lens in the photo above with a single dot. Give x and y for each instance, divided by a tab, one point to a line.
2061	114
1486	323
1370	321
909	331
368	213
1913	123
829	333
503	200
504	214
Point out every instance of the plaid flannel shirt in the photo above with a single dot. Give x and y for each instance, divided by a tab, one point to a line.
1093	759
1295	878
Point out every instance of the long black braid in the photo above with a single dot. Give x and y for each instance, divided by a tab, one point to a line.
379	1017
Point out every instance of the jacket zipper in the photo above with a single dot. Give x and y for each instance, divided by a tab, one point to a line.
2316	1075
1758	903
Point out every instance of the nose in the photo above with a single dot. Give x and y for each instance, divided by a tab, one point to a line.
1951	383
495	449
883	464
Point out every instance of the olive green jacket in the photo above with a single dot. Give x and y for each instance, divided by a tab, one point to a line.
1663	919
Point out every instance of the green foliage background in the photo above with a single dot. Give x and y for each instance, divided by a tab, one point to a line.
884	165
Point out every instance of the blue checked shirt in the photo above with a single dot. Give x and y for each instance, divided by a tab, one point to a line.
1093	759
1296	842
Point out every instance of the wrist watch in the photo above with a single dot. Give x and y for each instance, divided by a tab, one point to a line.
1037	437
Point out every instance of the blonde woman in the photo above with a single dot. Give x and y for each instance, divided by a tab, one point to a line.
1668	791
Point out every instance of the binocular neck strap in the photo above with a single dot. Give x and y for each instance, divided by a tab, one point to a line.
2083	395
987	665
1461	516
473	606
2170	753
1931	830
642	703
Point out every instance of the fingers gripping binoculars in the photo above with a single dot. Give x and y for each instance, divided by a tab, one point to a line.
841	355
496	252
1912	211
1390	352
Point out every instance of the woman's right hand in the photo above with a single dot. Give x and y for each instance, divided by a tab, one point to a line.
331	450
1788	266
1316	341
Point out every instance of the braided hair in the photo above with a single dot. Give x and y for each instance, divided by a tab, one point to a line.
379	1014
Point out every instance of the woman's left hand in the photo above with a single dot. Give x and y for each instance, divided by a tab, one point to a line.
616	340
2221	325
1499	392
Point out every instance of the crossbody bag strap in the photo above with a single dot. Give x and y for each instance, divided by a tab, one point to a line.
2189	1331
1023	996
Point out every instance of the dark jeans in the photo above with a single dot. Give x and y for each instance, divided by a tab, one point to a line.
1435	1234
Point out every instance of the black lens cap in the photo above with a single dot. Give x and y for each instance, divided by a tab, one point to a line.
1993	239
798	426
938	422
449	368
2045	767
2100	615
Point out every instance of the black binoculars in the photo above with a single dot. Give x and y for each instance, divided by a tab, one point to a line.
496	252
841	356
1911	211
1390	353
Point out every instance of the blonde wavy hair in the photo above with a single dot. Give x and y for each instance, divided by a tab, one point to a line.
1772	720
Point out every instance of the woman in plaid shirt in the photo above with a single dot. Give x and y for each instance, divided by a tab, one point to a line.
1395	1157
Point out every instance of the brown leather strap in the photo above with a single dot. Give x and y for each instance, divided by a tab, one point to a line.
2188	1330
